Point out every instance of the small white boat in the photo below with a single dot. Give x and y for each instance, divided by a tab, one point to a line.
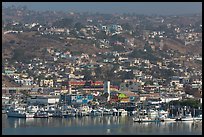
107	112
187	117
136	119
164	118
167	119
95	112
41	114
145	118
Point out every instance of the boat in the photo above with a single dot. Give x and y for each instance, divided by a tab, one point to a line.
83	111
30	114
57	113
3	111
163	113
96	112
114	112
167	119
122	112
19	113
198	118
187	117
178	118
145	118
41	114
137	119
152	113
71	112
16	113
107	112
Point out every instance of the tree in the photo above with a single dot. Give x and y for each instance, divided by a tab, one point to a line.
194	103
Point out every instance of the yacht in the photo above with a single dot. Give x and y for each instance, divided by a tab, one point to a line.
19	113
16	113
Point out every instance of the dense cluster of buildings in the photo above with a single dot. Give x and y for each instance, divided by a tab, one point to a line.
63	76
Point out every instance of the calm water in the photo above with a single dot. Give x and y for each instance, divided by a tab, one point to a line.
95	125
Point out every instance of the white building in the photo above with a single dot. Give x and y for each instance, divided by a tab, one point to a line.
43	99
167	100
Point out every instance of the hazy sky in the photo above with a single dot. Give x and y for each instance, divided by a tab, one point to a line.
164	8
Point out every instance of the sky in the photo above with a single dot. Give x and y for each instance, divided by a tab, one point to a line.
160	8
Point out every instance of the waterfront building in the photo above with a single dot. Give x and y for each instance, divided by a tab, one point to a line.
43	99
72	99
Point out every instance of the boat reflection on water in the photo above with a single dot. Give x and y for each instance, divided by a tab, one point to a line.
98	125
29	120
16	122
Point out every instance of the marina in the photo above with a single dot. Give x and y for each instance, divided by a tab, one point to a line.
144	115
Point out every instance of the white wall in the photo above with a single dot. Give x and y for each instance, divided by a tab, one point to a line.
166	100
53	100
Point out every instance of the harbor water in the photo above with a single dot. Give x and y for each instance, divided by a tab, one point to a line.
98	125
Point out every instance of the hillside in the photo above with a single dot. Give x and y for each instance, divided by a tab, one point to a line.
180	47
8	83
33	45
